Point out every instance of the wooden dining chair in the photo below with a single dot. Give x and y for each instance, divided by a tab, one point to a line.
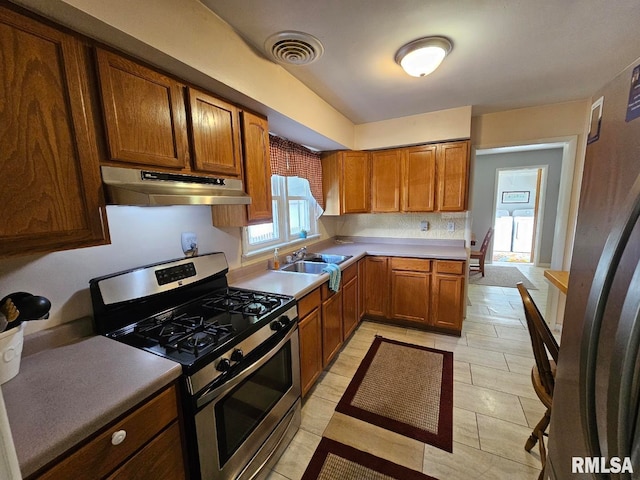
543	372
481	254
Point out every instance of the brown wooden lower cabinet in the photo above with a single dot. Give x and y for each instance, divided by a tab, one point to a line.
326	319
331	324
350	307
161	459
421	292
376	290
151	448
410	287
310	333
447	295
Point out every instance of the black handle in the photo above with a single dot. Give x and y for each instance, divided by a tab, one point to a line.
624	379
596	304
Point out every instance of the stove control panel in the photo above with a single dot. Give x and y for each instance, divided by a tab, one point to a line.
173	274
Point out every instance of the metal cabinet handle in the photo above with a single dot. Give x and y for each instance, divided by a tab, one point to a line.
118	437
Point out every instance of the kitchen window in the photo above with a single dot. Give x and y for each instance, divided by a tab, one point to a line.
294	211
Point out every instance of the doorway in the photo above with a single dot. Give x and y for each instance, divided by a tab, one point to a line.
517	212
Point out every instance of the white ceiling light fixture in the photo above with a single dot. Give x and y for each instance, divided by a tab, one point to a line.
422	56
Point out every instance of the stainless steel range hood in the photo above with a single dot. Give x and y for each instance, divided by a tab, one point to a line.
129	186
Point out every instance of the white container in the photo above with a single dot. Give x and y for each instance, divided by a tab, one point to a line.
11	342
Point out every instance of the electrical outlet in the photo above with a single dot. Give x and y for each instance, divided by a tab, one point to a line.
189	243
451	227
424	226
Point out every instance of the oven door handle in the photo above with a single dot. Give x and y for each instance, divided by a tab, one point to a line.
214	392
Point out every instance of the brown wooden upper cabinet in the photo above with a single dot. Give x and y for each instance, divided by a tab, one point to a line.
424	178
403	179
452	176
144	114
257	177
257	167
51	194
418	179
148	123
346	182
386	180
215	135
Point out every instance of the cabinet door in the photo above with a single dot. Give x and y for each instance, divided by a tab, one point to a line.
376	286
51	190
161	459
447	297
144	114
215	135
349	307
419	179
361	291
257	167
310	332
386	169
410	296
452	174
355	187
331	327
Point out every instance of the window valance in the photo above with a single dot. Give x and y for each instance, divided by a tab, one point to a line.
292	160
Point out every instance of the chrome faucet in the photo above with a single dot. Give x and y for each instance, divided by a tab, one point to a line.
299	254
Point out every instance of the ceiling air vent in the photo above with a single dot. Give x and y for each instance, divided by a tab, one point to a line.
294	48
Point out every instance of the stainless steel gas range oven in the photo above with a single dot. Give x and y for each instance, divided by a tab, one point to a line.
239	354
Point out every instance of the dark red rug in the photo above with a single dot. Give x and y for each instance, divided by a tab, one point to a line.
336	461
405	388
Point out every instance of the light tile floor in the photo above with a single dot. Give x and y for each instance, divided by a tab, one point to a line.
495	407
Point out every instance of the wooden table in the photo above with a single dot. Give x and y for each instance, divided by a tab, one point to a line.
559	278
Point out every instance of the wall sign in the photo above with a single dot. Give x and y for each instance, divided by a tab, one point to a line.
520	196
595	121
633	106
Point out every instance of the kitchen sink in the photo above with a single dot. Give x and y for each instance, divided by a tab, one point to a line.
326	258
313	267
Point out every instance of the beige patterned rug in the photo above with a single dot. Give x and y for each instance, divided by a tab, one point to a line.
500	276
336	461
404	388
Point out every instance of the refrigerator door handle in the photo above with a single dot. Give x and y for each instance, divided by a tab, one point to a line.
624	380
596	304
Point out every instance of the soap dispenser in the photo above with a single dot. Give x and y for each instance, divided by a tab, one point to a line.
276	260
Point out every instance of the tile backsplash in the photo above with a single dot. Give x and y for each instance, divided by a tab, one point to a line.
404	225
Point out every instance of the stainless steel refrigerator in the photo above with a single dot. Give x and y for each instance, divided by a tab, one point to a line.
597	395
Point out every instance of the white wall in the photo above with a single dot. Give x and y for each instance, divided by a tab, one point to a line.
449	124
139	235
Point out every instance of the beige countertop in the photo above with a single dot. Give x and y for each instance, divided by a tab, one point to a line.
299	284
64	394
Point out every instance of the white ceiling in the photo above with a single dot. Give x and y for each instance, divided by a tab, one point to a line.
507	53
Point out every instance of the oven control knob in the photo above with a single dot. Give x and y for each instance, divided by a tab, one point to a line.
284	320
237	355
223	365
277	325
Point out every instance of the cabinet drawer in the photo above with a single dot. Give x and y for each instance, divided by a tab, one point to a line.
99	457
307	303
160	460
327	292
411	264
349	273
455	268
